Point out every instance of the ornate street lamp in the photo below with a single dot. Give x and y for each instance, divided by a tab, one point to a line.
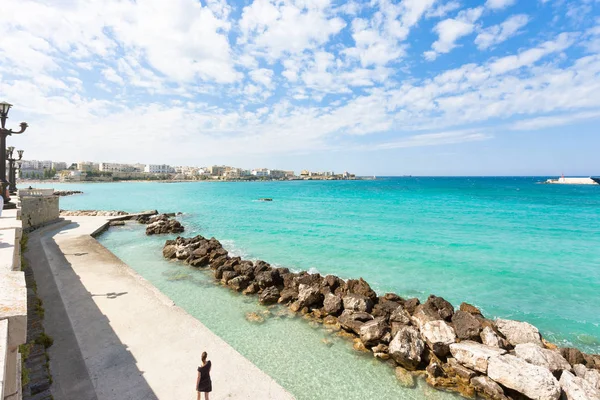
4	109
12	171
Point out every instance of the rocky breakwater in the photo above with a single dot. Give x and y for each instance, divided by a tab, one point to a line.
67	192
457	350
160	224
92	213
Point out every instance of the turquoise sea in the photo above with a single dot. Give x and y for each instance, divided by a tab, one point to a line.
511	246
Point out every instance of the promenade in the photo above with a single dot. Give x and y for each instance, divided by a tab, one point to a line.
116	336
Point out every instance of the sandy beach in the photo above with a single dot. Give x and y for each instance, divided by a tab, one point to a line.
118	337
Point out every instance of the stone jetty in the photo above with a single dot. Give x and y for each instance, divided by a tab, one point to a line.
67	192
160	224
453	349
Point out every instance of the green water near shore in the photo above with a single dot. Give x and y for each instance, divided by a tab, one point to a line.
303	357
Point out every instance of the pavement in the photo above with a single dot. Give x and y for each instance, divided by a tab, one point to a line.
116	337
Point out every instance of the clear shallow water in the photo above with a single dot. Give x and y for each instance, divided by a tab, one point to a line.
287	348
514	248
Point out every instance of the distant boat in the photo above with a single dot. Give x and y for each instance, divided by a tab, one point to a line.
265	199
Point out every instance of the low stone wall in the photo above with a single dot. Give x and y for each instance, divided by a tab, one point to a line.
13	306
37	211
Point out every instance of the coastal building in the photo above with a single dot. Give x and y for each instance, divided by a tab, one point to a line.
86	166
261	172
71	176
115	167
59	166
277	174
216	170
159	169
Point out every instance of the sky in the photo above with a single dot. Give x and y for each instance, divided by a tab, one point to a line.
380	87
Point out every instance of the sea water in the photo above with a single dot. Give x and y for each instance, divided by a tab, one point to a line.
511	246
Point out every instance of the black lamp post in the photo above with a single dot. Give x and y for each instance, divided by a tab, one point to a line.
4	108
12	171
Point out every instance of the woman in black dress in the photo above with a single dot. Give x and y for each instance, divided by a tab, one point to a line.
204	384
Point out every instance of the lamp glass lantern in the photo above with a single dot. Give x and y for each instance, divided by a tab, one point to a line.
20	153
4	108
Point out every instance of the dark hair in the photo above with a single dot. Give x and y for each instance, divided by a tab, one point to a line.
204	355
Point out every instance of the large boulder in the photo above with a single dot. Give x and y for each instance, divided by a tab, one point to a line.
362	288
474	355
439	336
536	355
288	295
410	305
264	279
533	381
357	302
269	296
490	338
239	283
590	375
517	332
572	355
332	304
467	327
372	331
400	315
309	296
169	251
576	388
423	314
354	320
444	309
488	388
471	309
406	348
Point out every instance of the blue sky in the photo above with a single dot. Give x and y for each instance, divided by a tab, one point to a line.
381	87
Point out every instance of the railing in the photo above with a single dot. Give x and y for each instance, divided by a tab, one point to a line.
35	192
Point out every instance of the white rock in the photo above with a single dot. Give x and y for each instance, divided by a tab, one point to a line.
474	355
489	337
534	354
534	382
406	347
439	336
576	388
517	332
590	375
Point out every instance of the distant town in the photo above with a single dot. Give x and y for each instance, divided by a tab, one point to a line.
107	172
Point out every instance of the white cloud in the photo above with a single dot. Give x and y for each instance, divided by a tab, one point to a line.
452	29
435	139
263	76
531	56
496	34
274	28
499	4
552	121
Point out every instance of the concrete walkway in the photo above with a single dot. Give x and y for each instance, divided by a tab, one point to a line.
117	337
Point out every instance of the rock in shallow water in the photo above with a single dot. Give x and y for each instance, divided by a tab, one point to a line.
535	355
488	387
474	355
576	388
439	336
372	331
517	332
407	347
534	382
269	295
467	327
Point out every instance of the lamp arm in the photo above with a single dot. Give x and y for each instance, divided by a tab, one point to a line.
23	127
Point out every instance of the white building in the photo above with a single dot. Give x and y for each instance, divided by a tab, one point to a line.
261	172
158	169
116	167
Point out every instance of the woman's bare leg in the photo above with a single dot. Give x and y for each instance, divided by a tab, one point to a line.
198	395
205	395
